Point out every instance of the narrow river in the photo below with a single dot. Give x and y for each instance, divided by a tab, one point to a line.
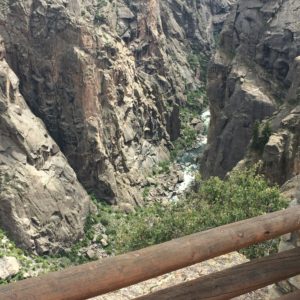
188	162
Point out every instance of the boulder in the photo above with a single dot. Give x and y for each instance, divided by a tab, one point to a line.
9	266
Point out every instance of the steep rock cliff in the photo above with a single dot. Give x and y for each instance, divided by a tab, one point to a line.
107	78
251	75
254	76
43	207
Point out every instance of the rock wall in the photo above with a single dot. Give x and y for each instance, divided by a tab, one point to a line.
245	80
107	78
254	76
43	207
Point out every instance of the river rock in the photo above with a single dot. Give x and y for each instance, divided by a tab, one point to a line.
195	121
199	127
9	266
180	176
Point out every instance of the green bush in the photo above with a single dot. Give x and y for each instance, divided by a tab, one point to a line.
163	167
216	202
197	100
99	16
185	141
198	60
260	136
188	134
29	262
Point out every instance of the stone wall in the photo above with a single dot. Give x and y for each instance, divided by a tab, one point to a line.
43	207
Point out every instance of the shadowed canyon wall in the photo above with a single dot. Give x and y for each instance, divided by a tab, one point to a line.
95	91
253	83
107	77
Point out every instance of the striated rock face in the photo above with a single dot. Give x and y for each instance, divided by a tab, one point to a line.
263	62
107	78
255	76
42	205
252	74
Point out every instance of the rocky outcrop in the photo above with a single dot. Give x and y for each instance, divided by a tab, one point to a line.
107	77
9	266
255	76
43	207
290	190
270	60
250	77
269	55
281	154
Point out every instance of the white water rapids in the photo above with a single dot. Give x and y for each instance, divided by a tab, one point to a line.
188	161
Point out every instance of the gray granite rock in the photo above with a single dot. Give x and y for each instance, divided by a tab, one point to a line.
9	266
42	204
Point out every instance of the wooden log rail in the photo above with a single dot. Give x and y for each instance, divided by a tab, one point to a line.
227	284
97	278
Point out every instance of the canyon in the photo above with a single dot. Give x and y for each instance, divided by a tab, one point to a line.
107	79
253	82
93	95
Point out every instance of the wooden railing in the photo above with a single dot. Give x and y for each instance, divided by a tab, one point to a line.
97	278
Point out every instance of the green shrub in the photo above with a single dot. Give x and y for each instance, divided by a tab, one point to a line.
146	192
188	134
216	202
99	19
260	136
197	100
162	168
99	16
198	60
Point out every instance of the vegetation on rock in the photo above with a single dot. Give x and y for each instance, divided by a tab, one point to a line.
197	102
198	63
261	135
31	265
214	202
99	16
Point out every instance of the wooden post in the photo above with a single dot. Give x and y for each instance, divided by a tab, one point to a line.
235	281
96	278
